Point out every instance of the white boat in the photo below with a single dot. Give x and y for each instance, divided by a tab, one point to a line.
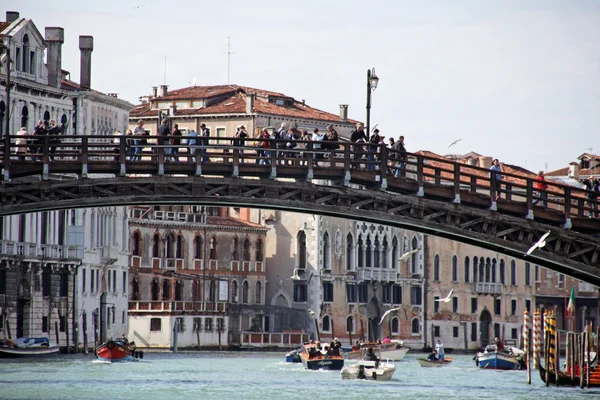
369	370
423	362
491	358
27	347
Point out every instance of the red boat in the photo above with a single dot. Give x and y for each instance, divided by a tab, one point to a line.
116	350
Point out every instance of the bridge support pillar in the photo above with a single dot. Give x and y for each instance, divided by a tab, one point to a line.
84	171
420	192
383	184
494	206
161	169
236	171
45	172
5	175
123	171
568	224
347	178
273	171
529	214
456	199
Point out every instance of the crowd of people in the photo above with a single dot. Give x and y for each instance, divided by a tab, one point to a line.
33	147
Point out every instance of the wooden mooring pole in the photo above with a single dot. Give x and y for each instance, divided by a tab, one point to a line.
571	356
580	342
546	356
526	343
557	356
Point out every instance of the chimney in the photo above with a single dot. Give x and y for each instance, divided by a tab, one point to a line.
86	45
55	37
163	90
574	170
472	162
250	103
344	112
154	91
485	162
12	16
172	109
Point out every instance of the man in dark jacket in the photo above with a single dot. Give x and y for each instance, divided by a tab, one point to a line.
400	153
175	141
358	136
593	189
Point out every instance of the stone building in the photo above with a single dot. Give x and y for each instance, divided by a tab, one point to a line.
197	267
60	266
223	108
349	273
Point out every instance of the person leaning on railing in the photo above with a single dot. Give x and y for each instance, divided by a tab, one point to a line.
496	169
541	186
593	188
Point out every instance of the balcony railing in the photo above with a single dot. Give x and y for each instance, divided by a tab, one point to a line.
377	274
487	287
31	250
168	264
173	306
284	339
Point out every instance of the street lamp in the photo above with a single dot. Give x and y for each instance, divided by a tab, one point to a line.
372	81
6	61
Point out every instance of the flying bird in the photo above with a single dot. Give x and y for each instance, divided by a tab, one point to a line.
447	298
453	143
539	244
408	254
295	276
311	313
138	6
385	314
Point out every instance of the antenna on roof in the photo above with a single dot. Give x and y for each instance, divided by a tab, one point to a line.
165	76
591	149
229	53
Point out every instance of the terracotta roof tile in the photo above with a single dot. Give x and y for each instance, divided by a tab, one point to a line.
230	221
558	172
4	25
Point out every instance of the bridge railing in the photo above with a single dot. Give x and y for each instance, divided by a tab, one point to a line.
361	163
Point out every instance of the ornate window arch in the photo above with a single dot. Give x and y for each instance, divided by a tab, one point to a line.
258	293
246	250
198	250
415	326
213	248
245	290
326	251
395	326
259	251
301	249
234	291
350	325
326	323
136	244
349	253
235	253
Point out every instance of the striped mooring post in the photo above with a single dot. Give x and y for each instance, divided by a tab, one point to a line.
551	327
537	338
526	343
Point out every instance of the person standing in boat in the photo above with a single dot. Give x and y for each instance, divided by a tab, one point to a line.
439	347
499	345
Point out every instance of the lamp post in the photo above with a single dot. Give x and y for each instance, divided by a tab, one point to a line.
372	81
6	61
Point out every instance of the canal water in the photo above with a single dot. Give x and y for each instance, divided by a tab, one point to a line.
203	375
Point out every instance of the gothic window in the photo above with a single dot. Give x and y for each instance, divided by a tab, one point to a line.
326	251
235	254
436	268
361	252
369	252
166	289
414	261
326	326
259	251
178	291
179	247
258	293
454	269
395	325
244	292
415	328
198	247
467	267
154	290
213	248
136	248
301	249
246	250
156	245
349	253
377	253
384	253
395	255
25	117
350	324
234	291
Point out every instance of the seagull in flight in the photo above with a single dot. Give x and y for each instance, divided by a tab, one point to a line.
453	143
447	298
385	314
539	244
138	6
311	313
295	276
408	254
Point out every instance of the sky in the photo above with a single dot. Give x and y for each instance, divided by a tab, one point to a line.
514	80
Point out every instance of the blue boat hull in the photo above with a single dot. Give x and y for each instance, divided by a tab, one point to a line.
497	361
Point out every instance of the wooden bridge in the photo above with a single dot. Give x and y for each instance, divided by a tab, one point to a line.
430	194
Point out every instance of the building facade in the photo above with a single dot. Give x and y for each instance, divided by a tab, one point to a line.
197	268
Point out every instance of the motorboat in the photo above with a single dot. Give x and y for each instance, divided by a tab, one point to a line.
118	350
315	357
492	358
27	347
423	362
394	350
369	369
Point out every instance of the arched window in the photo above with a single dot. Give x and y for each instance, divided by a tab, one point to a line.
488	268
198	247
326	251
377	253
369	253
178	291
212	291
235	254
493	270
26	62
395	256
234	291
213	248
179	247
25	117
245	292
154	289
350	324
47	117
46	282
156	245
502	272
326	326
415	326
436	268
454	269
136	248
170	245
414	259
259	251
301	249
481	270
166	286
384	253
349	253
467	267
246	252
361	252
258	293
135	289
64	126
395	326
475	266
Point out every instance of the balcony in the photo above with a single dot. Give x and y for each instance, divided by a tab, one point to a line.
376	274
487	288
198	264
31	250
159	306
135	262
168	264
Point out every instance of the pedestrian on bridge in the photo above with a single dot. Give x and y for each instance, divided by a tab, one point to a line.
541	186
593	189
496	169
